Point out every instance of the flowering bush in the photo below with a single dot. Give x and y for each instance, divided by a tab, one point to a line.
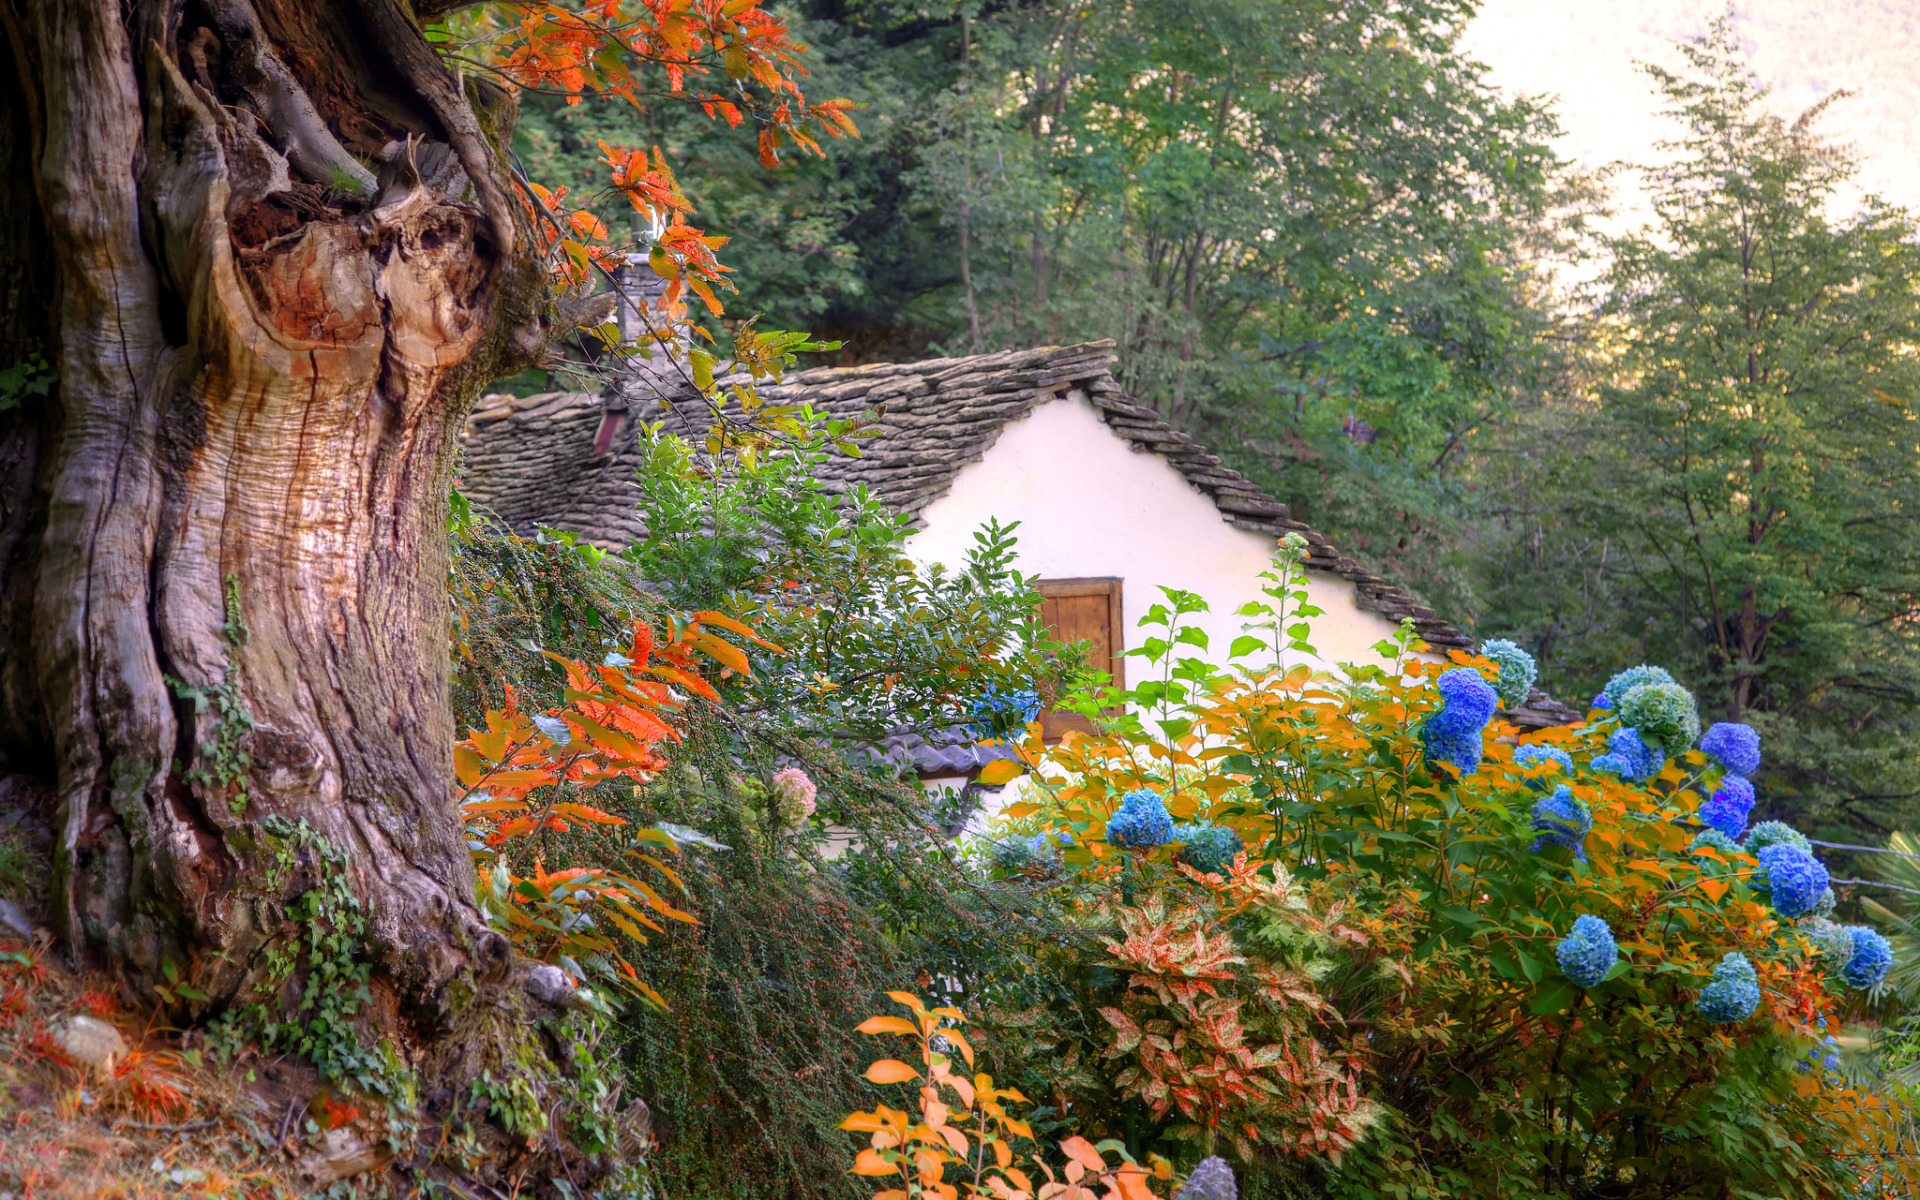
995	713
1142	822
1629	756
1211	1180
1797	880
1206	848
793	795
1714	840
1562	820
1533	755
1870	959
1775	833
1663	714
1455	885
1633	677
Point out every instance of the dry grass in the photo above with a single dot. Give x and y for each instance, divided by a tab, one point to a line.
154	1121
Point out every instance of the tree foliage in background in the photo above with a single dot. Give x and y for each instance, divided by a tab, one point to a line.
1736	493
1304	224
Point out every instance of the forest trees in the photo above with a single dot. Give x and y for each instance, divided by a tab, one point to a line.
1737	496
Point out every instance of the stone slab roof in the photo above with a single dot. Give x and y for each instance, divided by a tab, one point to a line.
530	460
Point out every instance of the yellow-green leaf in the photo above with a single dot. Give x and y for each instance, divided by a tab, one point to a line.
1001	770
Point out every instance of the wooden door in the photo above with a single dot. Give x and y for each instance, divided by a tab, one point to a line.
1087	610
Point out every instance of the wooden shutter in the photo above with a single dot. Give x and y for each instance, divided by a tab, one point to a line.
1088	610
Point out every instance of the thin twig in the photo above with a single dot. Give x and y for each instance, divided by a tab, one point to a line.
166	1128
1868	849
1876	883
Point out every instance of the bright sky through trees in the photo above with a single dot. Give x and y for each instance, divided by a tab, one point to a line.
1801	49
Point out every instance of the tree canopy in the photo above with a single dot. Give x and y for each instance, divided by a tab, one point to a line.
1734	489
1305	224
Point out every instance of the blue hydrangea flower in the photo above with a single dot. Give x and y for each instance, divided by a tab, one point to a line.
1775	833
1823	1057
1452	735
1664	714
1734	746
1562	820
1142	822
1629	757
996	713
1794	878
1872	958
1208	849
1588	953
1531	756
1211	1180
1517	671
1631	678
1049	841
1601	702
1732	994
1038	854
1729	806
1719	841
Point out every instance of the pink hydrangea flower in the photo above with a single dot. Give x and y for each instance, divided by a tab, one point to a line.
794	790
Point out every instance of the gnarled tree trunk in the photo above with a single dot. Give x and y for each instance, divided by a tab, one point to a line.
267	248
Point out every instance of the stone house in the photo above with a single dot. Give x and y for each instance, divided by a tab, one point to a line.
1112	502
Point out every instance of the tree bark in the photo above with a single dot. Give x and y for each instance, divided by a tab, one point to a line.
269	252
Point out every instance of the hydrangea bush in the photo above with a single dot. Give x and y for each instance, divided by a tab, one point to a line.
1794	879
1562	819
1391	795
1141	822
1532	755
1871	959
1663	714
1207	848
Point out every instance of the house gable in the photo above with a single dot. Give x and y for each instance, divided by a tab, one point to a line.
1091	503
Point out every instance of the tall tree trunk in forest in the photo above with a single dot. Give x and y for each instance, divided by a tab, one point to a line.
268	249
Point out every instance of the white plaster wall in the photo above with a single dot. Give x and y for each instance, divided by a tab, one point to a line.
1088	505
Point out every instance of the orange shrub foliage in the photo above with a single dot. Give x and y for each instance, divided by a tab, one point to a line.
1184	1023
962	1141
521	775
